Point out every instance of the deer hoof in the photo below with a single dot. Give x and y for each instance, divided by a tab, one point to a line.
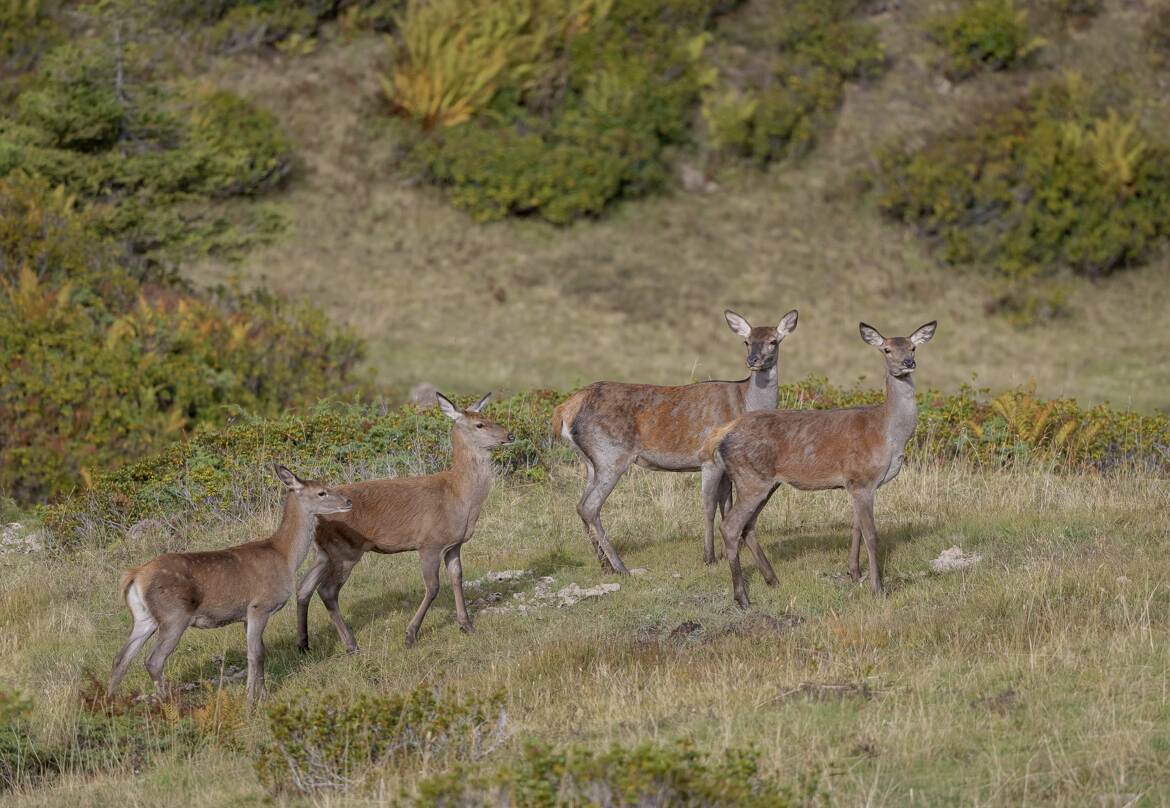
467	628
709	559
411	638
303	647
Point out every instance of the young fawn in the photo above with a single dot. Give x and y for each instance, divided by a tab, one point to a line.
612	425
211	589
859	449
433	515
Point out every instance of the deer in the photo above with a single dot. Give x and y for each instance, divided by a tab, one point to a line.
858	449
433	515
247	583
612	425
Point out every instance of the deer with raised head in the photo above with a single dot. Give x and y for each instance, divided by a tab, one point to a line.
246	583
858	449
613	425
433	515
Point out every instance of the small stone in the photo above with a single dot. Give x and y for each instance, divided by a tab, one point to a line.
638	572
953	559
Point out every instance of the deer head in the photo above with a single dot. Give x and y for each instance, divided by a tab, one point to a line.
313	496
475	428
899	351
762	341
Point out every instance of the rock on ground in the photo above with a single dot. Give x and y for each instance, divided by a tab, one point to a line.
953	559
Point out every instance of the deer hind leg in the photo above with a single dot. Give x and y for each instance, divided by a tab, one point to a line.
606	476
256	622
305	592
863	514
714	482
855	551
144	627
455	571
430	571
169	632
334	578
749	537
741	513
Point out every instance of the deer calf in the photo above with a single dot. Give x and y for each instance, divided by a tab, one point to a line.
246	583
612	425
858	449
433	515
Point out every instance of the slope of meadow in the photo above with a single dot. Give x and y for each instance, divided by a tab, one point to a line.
639	295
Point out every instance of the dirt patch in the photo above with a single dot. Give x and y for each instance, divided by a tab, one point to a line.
686	630
1002	703
830	691
542	595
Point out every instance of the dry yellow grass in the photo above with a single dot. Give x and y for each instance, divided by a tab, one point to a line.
1039	676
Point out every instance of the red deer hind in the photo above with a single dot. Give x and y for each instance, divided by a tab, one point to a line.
612	425
247	583
433	515
858	449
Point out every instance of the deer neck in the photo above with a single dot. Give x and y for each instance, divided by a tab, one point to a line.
294	535
471	468
761	389
901	411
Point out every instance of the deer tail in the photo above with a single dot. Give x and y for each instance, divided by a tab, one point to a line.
563	415
127	581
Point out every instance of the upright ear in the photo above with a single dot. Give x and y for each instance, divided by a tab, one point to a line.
871	335
924	333
449	409
477	406
787	324
738	324
290	480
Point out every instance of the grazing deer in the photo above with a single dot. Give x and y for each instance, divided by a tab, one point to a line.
433	515
612	424
211	589
859	449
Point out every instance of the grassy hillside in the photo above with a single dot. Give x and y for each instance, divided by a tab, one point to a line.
1036	676
638	295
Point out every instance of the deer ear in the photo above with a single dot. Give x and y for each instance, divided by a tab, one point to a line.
290	480
738	324
924	333
477	406
449	409
787	324
871	335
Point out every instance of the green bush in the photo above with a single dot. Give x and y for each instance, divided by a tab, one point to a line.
579	113
226	469
645	775
150	158
1156	35
331	743
104	365
27	29
983	35
810	49
1050	182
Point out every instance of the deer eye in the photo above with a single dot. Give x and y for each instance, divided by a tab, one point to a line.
773	343
886	350
479	425
320	493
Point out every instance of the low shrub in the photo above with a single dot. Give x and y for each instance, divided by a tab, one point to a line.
646	775
1156	35
559	109
333	744
103	365
983	35
1053	181
28	28
780	87
148	156
226	469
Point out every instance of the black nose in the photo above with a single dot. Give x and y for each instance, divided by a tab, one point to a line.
511	437
908	363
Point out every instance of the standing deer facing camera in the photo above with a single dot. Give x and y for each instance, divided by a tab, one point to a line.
246	583
433	515
859	449
612	425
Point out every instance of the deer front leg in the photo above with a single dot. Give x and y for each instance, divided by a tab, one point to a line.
863	514
455	571
330	590
305	592
855	552
257	620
